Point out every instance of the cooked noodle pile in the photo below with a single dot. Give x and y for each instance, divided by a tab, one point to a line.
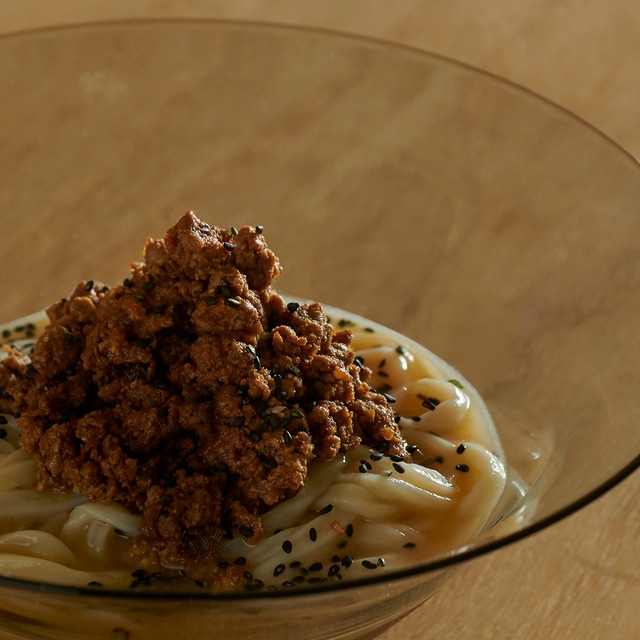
361	512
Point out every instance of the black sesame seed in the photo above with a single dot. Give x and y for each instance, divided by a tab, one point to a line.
381	562
376	455
313	534
127	282
347	561
234	231
369	330
430	403
389	398
366	464
268	462
398	467
138	573
295	564
148	286
334	569
461	448
246	532
89	285
409	545
240	560
382	374
287	546
416	418
462	467
288	584
349	530
400	350
359	361
367	564
232	302
287	438
228	246
296	413
259	229
3	420
278	570
412	448
293	307
363	468
256	437
94	583
326	509
394	457
316	566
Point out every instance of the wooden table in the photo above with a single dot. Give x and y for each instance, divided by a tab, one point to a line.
580	578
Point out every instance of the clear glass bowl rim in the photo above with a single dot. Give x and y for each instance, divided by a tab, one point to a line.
434	565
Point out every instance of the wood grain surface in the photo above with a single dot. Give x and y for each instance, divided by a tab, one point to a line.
578	579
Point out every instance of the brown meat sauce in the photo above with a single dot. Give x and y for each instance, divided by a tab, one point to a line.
192	393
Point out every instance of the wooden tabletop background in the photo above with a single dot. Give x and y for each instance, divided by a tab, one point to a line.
580	578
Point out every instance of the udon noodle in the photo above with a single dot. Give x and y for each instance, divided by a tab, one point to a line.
358	513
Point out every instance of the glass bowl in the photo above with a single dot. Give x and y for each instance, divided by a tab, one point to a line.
462	211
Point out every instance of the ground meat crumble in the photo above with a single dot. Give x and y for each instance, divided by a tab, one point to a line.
192	393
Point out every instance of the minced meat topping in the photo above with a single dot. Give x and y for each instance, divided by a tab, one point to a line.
192	393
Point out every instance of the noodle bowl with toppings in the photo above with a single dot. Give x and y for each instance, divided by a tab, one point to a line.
369	453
